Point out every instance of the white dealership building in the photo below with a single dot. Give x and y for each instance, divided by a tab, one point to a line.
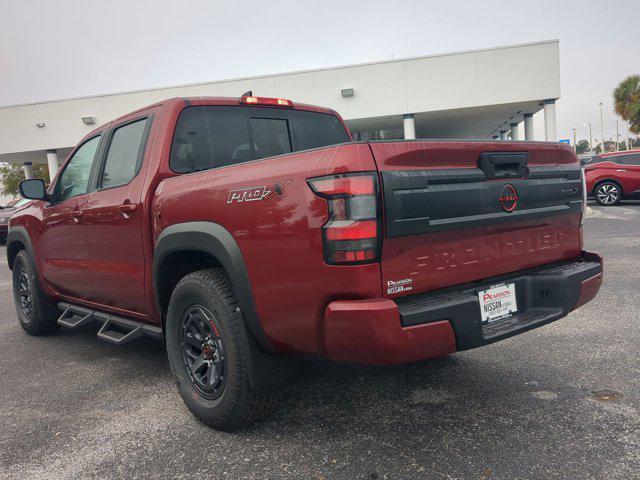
489	93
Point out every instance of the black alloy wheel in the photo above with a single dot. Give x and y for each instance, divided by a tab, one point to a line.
25	292
221	375
203	352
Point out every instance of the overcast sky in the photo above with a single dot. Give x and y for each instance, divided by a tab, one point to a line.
69	48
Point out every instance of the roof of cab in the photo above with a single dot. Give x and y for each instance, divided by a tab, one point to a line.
187	101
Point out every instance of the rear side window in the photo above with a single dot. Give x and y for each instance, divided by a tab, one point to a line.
124	155
631	159
216	136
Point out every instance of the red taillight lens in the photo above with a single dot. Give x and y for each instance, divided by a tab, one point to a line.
352	234
348	230
352	185
275	102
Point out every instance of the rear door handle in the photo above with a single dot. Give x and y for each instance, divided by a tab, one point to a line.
621	170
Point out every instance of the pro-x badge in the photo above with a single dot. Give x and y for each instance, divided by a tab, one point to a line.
251	194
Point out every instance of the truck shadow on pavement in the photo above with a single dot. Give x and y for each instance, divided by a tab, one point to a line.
480	409
341	397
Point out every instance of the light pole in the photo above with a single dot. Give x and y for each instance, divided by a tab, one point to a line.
602	127
575	145
617	137
590	137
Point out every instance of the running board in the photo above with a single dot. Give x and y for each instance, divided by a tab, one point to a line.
75	319
114	329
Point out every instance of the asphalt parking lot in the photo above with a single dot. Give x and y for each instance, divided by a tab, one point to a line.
562	401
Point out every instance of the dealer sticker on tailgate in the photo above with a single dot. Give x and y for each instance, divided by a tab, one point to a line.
497	302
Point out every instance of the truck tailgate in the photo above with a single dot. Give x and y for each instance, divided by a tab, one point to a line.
457	212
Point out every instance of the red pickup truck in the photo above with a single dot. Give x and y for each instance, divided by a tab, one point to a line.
243	231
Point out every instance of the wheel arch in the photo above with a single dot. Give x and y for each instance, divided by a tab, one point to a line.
215	246
17	240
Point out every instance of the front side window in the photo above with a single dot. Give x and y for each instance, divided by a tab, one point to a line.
74	179
124	155
216	136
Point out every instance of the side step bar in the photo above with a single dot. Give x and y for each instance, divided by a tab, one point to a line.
114	329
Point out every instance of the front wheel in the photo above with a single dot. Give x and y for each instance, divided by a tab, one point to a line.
608	194
210	353
37	315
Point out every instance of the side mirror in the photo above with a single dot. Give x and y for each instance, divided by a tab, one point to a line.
33	189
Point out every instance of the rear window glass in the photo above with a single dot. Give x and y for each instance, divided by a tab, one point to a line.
216	136
270	136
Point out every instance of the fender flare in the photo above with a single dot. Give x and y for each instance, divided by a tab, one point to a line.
214	239
18	234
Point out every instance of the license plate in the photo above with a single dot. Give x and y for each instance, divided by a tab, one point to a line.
497	302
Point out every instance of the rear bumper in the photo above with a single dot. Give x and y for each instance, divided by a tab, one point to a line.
434	324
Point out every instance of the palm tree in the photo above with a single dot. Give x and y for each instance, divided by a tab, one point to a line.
627	101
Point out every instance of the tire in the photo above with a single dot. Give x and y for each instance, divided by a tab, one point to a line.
37	315
608	193
203	311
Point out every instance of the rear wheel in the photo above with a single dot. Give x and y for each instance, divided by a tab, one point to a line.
210	353
37	315
608	193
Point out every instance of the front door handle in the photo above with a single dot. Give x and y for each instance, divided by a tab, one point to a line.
126	208
621	170
76	214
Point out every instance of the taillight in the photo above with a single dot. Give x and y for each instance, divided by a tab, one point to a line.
583	177
353	232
